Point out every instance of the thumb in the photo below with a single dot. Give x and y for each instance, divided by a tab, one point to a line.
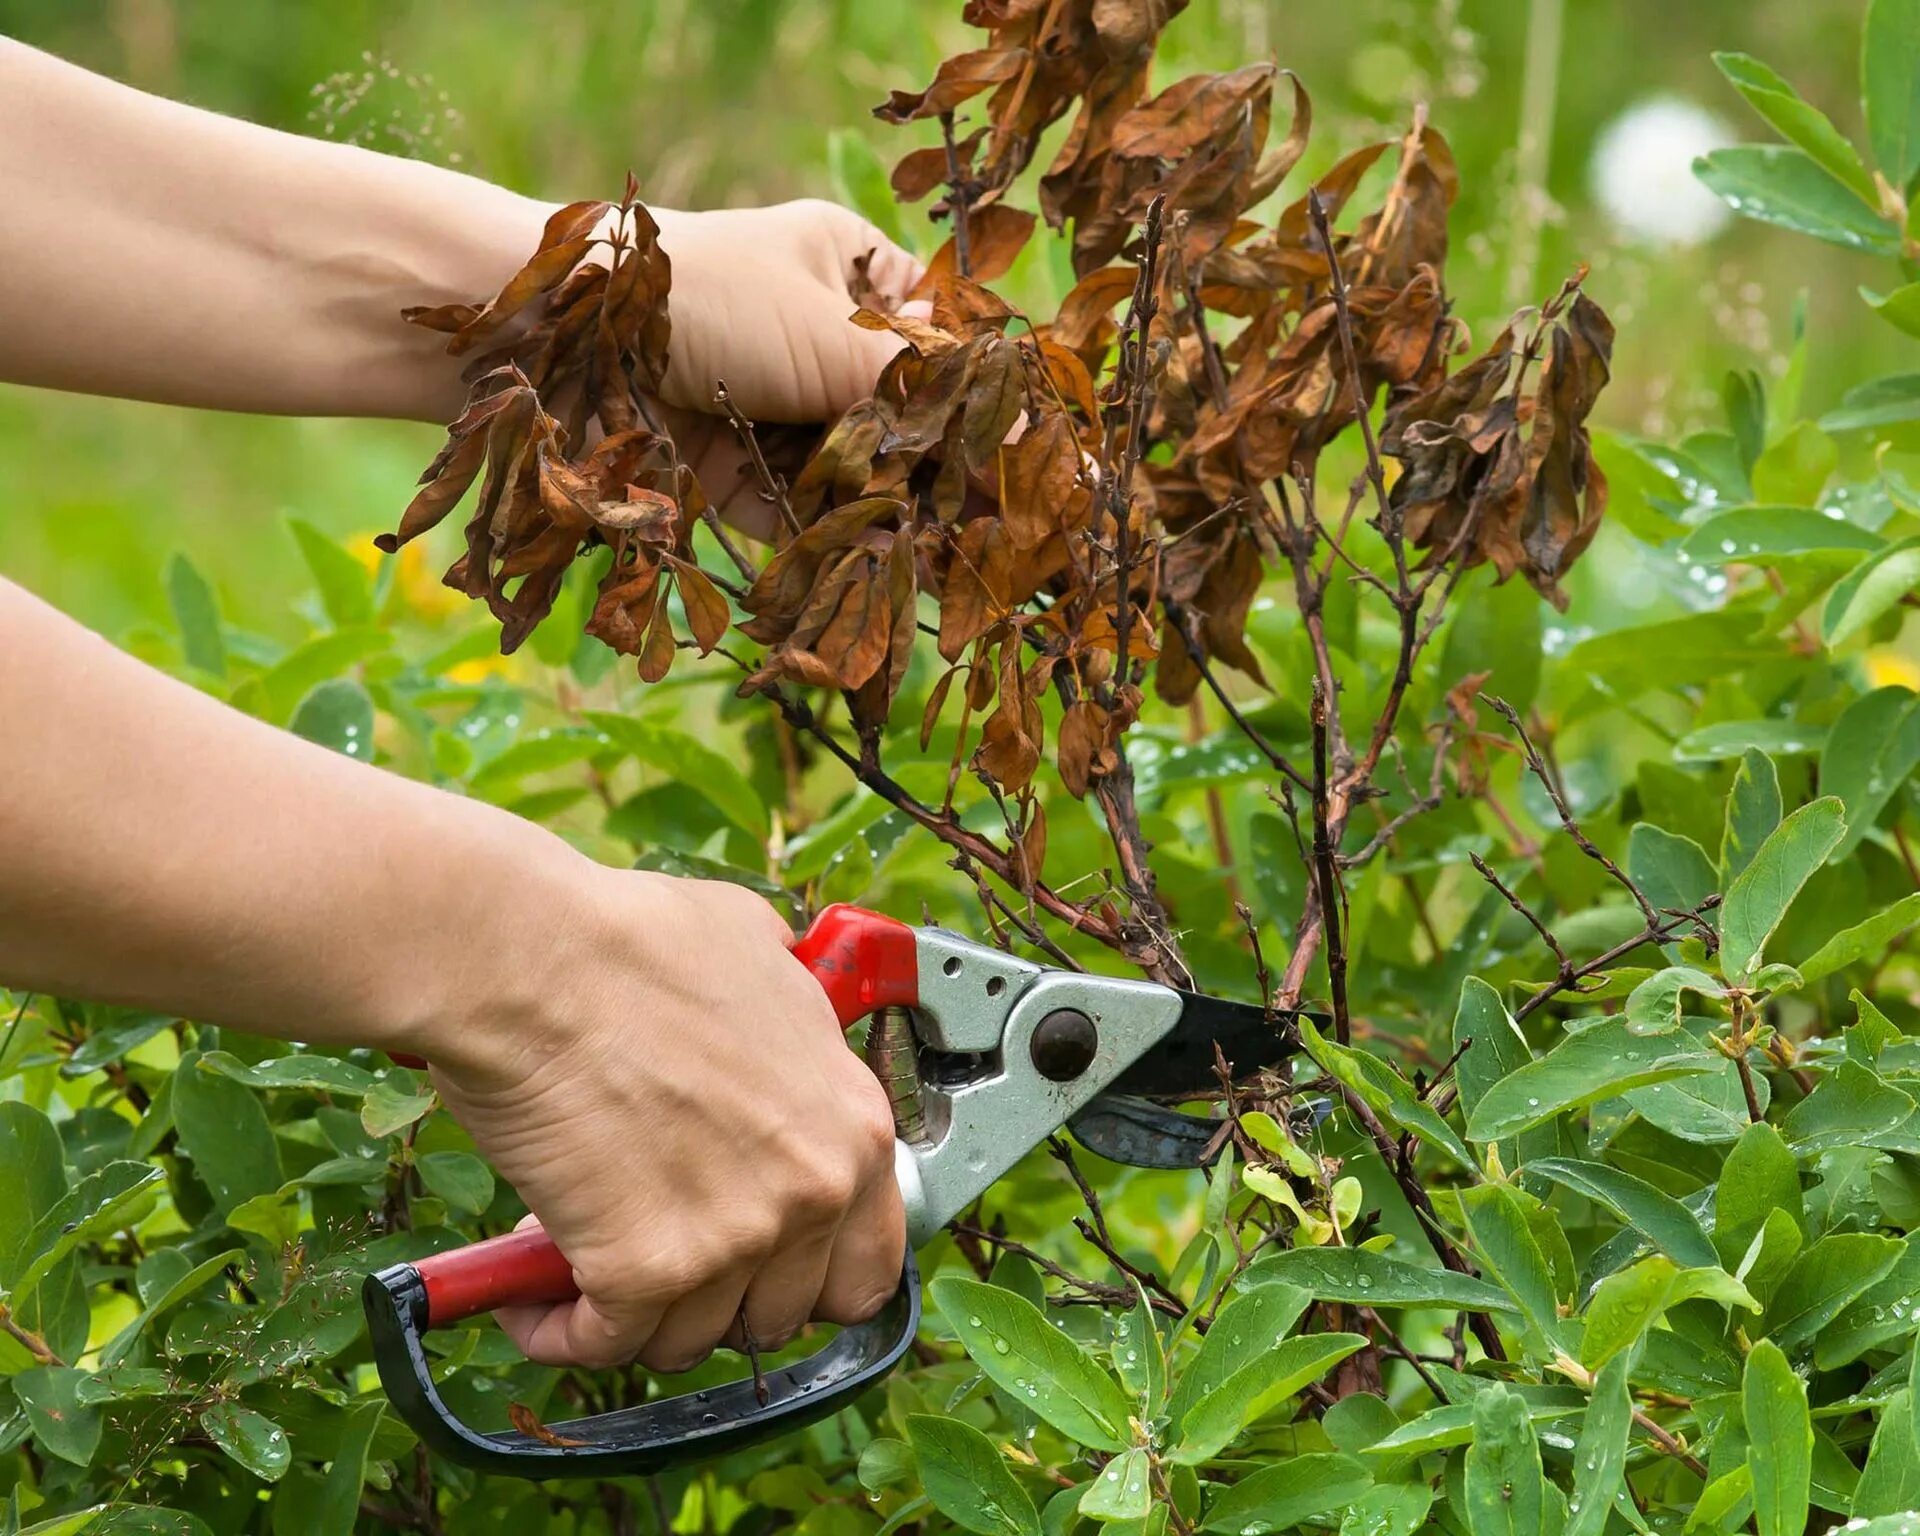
850	369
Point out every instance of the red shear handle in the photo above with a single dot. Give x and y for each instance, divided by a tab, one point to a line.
518	1269
863	960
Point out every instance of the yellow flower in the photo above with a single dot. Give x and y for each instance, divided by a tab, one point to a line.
480	668
1889	666
419	586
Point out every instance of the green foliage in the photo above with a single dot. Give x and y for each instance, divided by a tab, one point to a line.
1676	1184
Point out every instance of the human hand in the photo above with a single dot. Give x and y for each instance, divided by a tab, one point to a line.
687	1123
762	298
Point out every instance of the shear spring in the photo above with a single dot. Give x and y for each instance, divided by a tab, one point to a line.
893	1057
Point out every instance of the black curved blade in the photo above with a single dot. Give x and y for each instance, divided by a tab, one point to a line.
1144	1135
1183	1060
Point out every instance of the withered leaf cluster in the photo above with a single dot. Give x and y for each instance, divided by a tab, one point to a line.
1059	503
569	350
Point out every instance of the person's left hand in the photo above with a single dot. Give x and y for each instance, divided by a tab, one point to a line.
762	299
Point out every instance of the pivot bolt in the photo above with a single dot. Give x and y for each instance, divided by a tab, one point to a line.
1064	1045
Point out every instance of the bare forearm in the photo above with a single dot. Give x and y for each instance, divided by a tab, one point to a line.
157	251
159	848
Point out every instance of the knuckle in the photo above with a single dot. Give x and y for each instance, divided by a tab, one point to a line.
855	1302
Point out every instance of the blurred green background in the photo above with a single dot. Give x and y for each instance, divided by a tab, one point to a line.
734	101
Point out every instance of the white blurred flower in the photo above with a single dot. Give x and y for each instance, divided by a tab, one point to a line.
1642	172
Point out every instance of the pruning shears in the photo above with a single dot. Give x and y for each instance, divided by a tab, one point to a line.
984	1056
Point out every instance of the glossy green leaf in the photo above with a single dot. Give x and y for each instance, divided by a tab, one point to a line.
1631	1300
1788	187
1674	871
1603	1060
1600	1458
1900	308
1807	126
1735	738
1034	1362
250	1438
1370	1279
224	1129
1872	750
1890	1481
309	1071
1779	1440
1511	1255
1388	1509
1506	1491
459	1178
307	666
1753	535
1848	1107
967	1479
1825	1277
1249	1325
1759	1175
1216	1418
337	714
1890	88
1758	900
1122	1491
109	1200
1659	1218
391	1106
1281	1494
62	1425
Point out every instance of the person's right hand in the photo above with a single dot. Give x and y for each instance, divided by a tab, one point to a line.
675	1102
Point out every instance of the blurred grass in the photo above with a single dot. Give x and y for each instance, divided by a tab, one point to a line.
733	101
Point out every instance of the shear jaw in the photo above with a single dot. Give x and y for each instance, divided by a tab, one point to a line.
986	1100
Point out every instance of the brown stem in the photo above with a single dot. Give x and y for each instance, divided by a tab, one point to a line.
21	1334
1326	877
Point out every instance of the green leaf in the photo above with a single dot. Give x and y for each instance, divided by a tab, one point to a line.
1871	752
1388	1509
303	669
1754	535
1440	1429
967	1480
171	1295
1218	1417
224	1129
1899	308
459	1178
1283	1493
250	1438
1890	90
543	752
1849	1106
1600	1459
1823	1279
80	1520
1488	1043
390	1106
197	616
692	762
1365	1278
1788	187
64	1426
306	1070
346	588
1506	1491
1890	1482
1881	403
1870	939
1249	1325
1805	125
1658	1004
115	1197
1505	1242
1139	1355
1779	1441
1759	1175
1385	1091
1631	1300
337	714
331	1506
1752	813
885	1463
1662	1220
1735	738
1122	1491
1033	1362
1674	871
1601	1061
1721	1498
1758	900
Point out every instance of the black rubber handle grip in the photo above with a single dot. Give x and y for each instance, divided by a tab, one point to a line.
650	1437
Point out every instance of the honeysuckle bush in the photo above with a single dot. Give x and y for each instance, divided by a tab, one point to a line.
1583	1206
